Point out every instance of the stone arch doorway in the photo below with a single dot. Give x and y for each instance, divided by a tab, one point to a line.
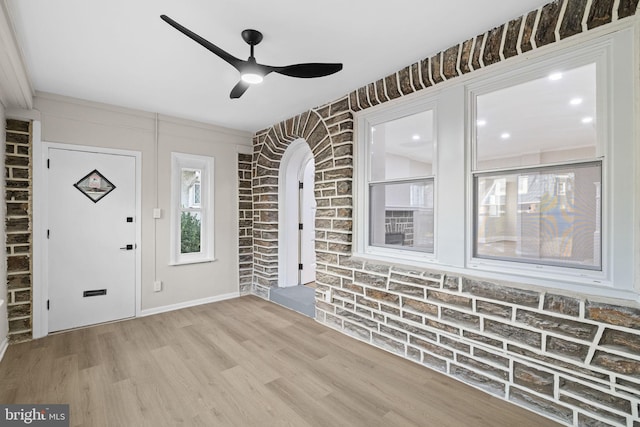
293	165
328	132
295	193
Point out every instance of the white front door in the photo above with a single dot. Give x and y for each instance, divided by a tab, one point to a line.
307	219
91	261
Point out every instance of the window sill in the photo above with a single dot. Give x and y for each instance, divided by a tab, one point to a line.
381	252
193	261
525	279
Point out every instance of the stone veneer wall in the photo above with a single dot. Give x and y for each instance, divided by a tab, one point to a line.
329	133
18	200
245	224
571	358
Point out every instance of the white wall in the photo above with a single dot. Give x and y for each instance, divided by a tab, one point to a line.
4	323
72	121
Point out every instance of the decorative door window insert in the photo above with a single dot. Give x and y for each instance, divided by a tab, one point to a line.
95	186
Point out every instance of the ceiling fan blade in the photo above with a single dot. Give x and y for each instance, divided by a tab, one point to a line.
235	62
306	71
239	89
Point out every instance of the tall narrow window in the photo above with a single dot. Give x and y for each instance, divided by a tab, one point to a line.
190	211
538	177
192	216
401	182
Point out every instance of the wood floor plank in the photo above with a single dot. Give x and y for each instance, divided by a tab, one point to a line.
305	404
267	409
91	409
242	362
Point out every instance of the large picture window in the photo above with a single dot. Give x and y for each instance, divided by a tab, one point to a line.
401	183
529	173
534	200
192	213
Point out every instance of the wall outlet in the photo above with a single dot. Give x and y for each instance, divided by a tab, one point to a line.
157	213
327	295
157	286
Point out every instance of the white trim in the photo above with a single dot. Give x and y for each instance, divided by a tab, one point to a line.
3	347
186	304
40	291
295	157
617	68
364	122
40	225
609	54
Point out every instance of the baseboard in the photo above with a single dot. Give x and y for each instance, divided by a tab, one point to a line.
186	304
3	347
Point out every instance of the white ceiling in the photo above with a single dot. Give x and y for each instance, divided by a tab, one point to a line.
120	52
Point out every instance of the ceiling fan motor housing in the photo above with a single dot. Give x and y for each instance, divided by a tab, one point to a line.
252	37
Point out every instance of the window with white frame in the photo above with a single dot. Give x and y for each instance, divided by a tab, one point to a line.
536	172
400	182
192	208
558	135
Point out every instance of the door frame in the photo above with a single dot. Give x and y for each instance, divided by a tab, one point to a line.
40	225
302	204
295	157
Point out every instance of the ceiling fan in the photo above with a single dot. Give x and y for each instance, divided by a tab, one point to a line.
250	71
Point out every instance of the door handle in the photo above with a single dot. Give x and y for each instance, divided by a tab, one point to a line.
128	247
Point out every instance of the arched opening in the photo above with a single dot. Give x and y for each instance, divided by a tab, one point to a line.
296	235
279	153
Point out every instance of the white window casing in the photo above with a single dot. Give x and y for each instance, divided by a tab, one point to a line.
455	166
199	197
362	193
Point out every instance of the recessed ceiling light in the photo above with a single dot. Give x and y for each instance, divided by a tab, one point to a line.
587	120
555	76
416	137
481	122
505	135
576	101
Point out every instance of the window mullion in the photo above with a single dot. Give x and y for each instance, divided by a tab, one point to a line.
403	180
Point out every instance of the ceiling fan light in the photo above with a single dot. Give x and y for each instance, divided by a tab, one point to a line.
251	78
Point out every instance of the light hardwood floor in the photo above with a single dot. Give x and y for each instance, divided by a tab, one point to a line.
242	362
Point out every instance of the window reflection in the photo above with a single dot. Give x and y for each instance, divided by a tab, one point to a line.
548	215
